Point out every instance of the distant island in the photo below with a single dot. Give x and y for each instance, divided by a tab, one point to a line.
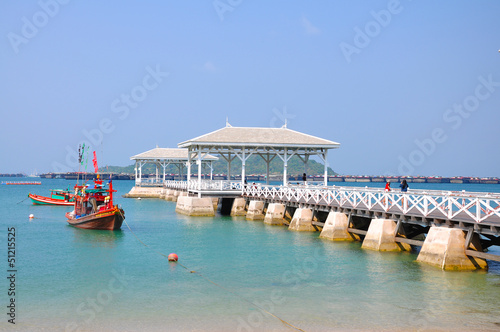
256	170
254	165
274	177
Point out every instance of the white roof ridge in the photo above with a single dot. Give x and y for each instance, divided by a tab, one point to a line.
316	137
168	153
212	132
232	136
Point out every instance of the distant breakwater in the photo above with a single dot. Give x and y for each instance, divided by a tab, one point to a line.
262	178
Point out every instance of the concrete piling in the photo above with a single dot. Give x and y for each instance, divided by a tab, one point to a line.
381	237
302	221
195	206
335	228
144	192
445	248
255	210
238	208
274	214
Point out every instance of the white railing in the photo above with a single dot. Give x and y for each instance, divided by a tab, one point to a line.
172	184
452	205
468	206
149	182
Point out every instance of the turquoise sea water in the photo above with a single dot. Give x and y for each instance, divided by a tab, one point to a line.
70	279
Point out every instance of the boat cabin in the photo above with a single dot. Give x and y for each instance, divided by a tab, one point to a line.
89	201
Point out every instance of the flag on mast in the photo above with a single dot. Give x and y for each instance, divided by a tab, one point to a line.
81	150
94	161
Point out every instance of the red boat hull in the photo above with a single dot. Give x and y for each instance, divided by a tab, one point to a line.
110	219
42	200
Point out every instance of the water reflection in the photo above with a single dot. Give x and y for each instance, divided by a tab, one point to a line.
97	238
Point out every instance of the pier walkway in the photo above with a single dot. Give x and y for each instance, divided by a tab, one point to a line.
481	209
218	188
462	207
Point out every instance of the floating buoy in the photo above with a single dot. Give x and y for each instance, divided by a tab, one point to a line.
32	216
173	257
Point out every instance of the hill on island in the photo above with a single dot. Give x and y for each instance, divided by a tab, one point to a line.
254	165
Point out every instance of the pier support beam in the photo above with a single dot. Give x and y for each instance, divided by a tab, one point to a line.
169	194
289	211
302	221
274	214
238	208
335	228
144	192
215	202
445	248
381	237
195	206
255	210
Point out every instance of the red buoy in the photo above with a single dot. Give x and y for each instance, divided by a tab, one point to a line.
173	257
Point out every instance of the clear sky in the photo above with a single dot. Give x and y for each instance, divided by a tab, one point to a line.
406	87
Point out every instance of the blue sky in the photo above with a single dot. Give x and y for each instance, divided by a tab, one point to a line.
406	87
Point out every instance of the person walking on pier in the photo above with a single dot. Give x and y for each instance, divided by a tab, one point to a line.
304	178
404	186
387	188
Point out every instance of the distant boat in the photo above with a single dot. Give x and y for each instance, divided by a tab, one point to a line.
33	175
57	197
90	214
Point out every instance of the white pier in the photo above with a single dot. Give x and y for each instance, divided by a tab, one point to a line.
453	229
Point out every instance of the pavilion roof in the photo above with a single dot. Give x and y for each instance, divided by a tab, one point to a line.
167	154
251	136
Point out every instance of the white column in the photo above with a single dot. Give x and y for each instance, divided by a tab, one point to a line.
306	159
243	162
285	166
136	172
211	171
188	165
164	167
140	171
267	169
229	166
156	178
199	172
325	155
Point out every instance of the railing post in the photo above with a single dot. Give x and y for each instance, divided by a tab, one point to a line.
478	210
450	206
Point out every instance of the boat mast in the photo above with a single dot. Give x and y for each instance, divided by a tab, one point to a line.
80	155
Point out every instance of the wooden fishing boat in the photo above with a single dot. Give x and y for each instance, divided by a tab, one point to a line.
94	209
57	197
